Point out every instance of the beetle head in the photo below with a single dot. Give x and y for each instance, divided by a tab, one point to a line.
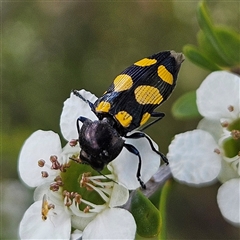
100	143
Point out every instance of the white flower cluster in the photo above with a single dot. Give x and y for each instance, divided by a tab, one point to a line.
67	196
212	151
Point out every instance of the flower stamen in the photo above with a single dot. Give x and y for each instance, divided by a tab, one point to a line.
73	142
58	181
235	134
78	198
67	198
41	163
225	124
54	187
55	163
46	207
73	200
99	191
86	209
84	180
44	174
216	150
230	108
64	167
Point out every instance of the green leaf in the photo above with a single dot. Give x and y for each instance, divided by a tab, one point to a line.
185	107
207	26
163	208
146	215
197	57
209	51
230	41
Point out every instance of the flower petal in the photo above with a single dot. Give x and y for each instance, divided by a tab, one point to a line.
40	191
76	235
125	166
227	172
192	158
119	196
68	151
56	226
80	222
44	189
219	91
228	199
40	145
73	108
214	127
113	223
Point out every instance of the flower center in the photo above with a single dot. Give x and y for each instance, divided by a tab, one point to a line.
82	189
82	179
230	141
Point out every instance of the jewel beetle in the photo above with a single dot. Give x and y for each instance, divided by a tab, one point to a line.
127	105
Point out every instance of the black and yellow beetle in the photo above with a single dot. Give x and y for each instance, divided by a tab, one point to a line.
128	104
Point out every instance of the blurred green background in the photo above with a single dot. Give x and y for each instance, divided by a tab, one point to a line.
49	48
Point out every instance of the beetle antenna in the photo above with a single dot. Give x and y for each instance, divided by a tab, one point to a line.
106	177
91	105
77	160
76	93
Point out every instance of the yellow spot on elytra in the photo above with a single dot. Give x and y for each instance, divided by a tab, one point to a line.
145	62
145	94
122	82
124	118
145	117
165	75
103	107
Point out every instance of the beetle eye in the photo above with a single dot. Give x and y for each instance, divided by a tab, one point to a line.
84	157
105	153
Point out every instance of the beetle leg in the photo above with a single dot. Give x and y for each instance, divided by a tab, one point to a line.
158	115
137	135
133	150
82	120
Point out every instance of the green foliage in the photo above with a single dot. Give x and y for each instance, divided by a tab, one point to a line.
217	46
146	215
199	58
219	39
163	208
11	144
185	107
218	49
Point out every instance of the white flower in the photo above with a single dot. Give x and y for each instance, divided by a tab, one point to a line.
70	195
57	224
193	161
212	151
229	194
67	197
